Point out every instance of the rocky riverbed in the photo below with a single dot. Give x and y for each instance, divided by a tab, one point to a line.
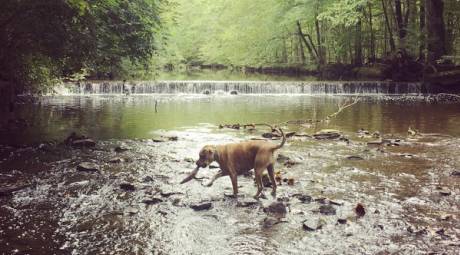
337	196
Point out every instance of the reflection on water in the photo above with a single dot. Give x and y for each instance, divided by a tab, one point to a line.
105	117
66	211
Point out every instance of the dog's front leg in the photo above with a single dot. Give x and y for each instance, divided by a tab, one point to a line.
215	177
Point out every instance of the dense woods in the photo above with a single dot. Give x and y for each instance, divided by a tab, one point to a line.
42	41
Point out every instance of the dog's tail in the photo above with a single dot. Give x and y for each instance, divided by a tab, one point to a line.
282	142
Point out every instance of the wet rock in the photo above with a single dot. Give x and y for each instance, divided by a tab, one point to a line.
172	138
120	149
342	221
247	202
455	173
327	210
312	224
269	222
157	140
127	187
289	163
445	192
321	200
72	137
335	202
327	134
84	143
277	209
131	211
168	194
116	160
375	143
355	158
290	181
282	158
152	201
303	198
148	179
271	135
7	191
201	206
87	167
206	92
359	210
233	92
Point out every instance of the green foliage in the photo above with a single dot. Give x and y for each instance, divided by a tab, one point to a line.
56	38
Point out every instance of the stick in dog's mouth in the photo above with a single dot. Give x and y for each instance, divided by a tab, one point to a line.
191	175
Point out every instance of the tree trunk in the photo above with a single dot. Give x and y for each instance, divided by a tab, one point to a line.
387	21
309	45
372	43
358	45
421	52
436	35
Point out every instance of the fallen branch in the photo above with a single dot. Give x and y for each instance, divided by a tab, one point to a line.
343	106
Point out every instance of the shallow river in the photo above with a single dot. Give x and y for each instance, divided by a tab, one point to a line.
134	204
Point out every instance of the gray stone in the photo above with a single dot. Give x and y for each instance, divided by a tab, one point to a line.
277	209
88	167
201	206
127	187
83	143
312	224
327	210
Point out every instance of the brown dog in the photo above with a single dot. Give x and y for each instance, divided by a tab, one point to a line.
238	158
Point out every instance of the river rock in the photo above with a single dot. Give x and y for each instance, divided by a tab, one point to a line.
201	206
116	160
353	157
84	143
158	140
233	92
172	138
152	201
282	158
303	198
247	202
148	179
277	209
312	224
88	167
359	210
327	210
269	222
455	173
327	134
445	192
270	135
342	221
131	211
127	187
7	191
120	149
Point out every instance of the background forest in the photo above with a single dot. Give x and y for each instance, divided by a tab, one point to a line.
44	41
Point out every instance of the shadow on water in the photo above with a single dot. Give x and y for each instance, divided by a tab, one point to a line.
134	203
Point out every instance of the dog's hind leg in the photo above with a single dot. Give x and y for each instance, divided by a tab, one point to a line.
233	177
258	177
271	174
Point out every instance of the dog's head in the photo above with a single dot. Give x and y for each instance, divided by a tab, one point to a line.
207	156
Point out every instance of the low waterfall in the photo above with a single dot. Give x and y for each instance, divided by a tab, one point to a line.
241	87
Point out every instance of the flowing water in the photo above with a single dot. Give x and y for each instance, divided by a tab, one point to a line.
408	187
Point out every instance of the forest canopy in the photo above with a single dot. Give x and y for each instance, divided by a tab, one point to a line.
42	41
